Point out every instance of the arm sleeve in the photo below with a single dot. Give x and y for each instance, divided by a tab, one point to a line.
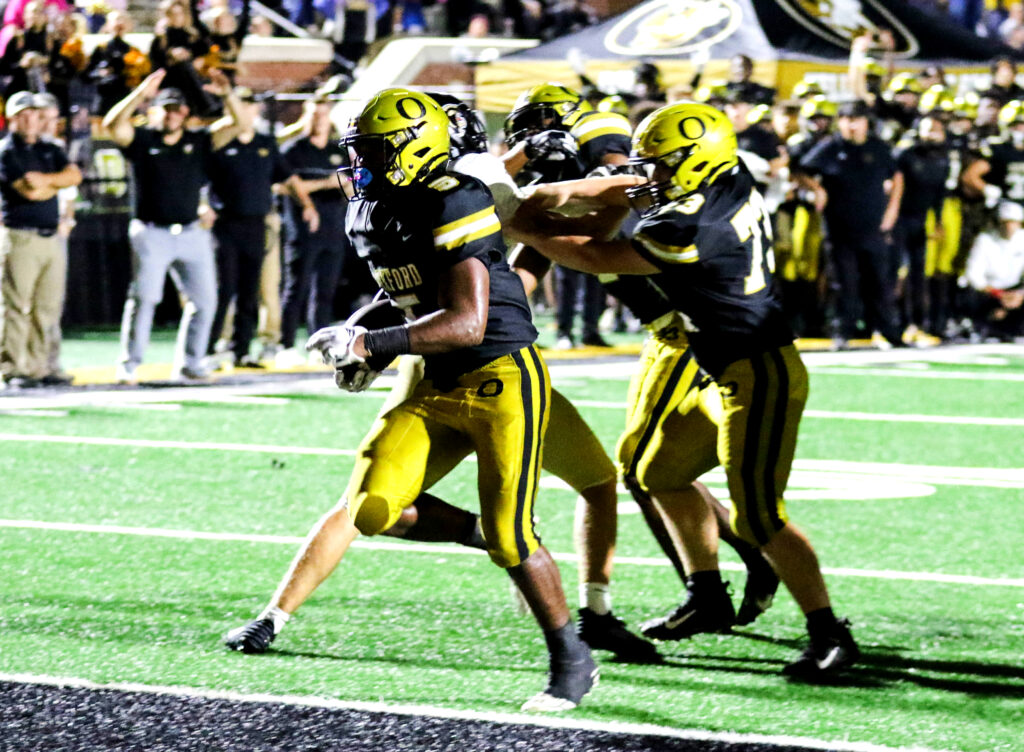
639	294
282	169
9	171
467	225
60	158
816	161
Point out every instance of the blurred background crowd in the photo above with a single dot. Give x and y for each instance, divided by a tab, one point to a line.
897	197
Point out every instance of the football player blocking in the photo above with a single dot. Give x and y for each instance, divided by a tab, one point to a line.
433	242
706	235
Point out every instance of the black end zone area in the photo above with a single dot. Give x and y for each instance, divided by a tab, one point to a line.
38	717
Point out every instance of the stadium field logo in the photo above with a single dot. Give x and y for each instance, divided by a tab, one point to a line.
839	21
670	27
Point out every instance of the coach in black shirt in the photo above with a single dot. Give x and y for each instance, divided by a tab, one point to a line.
170	166
242	176
313	258
849	173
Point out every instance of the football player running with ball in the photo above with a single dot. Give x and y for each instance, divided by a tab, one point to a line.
706	236
433	242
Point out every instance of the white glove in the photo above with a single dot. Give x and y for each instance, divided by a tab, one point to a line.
992	195
335	344
354	377
555	146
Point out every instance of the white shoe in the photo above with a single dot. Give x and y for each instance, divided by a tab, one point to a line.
290	358
125	375
564	343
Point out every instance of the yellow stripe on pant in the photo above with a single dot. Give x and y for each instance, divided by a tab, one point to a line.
763	398
670	435
501	412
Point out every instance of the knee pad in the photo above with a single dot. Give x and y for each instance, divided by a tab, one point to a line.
372	514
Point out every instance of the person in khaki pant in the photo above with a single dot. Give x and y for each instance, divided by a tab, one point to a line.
33	265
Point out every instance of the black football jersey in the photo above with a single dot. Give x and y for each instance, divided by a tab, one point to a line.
411	238
1007	167
714	250
926	171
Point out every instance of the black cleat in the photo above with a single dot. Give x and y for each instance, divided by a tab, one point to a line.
254	637
693	616
825	657
568	682
607	632
758	593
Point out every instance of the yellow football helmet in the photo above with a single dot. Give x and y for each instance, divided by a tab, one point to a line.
819	106
903	83
545	107
711	93
692	143
966	107
614	103
399	138
1012	114
873	68
938	99
805	89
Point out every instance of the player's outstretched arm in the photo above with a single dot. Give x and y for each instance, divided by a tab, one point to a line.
582	252
599	191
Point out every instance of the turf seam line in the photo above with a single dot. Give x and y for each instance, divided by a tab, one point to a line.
633	729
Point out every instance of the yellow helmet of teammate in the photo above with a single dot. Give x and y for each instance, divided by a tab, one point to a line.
966	107
1012	113
692	143
399	138
819	106
545	107
937	99
873	68
904	82
759	113
805	89
711	92
615	104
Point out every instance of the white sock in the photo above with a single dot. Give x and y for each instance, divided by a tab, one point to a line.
279	617
596	596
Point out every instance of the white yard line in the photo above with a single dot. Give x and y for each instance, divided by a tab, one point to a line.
550	722
951	375
451	550
168	444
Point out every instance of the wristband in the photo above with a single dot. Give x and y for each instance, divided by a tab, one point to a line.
389	342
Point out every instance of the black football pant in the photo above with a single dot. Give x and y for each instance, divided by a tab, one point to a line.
571	284
864	281
913	240
240	251
312	267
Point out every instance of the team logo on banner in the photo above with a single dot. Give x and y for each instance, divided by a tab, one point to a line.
839	21
671	27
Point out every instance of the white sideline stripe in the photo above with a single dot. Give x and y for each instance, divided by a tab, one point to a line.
966	420
961	375
551	722
933	474
434	548
37	413
167	444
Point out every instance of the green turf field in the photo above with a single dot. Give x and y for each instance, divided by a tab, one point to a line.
139	525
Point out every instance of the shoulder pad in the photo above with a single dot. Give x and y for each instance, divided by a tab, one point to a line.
667	235
594	124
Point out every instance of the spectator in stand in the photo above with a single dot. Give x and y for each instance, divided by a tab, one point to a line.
166	234
176	45
242	174
1004	81
313	258
1014	21
33	264
27	55
68	59
995	273
739	86
115	65
566	17
850	174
